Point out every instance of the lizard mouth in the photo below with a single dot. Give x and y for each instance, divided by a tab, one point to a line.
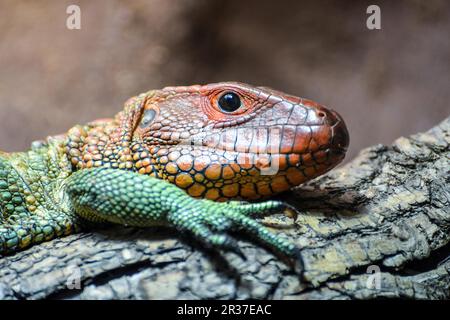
340	136
323	129
281	140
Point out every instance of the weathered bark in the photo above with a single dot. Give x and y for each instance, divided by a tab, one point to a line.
387	210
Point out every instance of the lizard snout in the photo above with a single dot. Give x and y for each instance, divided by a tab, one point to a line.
339	133
339	139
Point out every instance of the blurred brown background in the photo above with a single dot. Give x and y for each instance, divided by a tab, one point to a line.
385	83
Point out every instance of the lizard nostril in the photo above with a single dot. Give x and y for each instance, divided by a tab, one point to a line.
331	118
321	114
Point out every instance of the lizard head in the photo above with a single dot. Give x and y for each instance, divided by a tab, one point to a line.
226	140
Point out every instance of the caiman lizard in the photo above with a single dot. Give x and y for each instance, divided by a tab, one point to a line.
178	157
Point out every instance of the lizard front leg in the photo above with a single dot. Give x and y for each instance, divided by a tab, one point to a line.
129	198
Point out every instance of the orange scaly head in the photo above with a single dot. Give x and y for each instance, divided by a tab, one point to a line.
218	141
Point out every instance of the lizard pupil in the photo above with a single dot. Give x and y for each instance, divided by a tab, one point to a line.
229	102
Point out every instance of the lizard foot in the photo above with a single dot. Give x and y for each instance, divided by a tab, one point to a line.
133	199
209	222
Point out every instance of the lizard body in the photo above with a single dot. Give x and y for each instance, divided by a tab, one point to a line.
148	164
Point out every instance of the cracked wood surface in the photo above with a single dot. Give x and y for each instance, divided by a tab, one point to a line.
387	210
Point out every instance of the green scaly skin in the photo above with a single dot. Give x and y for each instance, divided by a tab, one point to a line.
142	167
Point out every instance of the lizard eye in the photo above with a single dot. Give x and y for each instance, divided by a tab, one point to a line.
148	117
229	102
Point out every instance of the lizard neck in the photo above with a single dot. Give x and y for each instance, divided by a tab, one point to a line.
37	177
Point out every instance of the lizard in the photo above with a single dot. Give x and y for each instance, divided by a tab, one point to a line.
194	158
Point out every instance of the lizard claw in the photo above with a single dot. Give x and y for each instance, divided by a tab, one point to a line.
299	265
291	212
210	222
232	246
